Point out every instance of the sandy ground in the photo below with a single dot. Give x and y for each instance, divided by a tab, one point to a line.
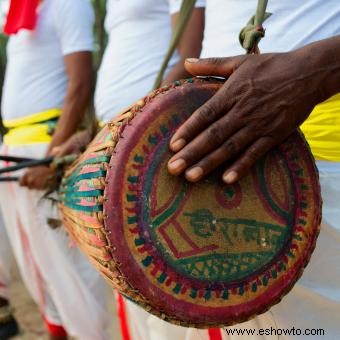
29	318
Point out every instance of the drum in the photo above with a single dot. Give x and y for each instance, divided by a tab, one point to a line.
197	255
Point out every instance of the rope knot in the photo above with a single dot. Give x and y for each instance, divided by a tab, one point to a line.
251	35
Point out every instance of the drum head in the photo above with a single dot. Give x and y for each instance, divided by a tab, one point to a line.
206	254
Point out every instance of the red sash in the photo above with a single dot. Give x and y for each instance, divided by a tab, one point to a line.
22	15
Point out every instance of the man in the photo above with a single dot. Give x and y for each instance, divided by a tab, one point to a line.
139	36
264	99
47	86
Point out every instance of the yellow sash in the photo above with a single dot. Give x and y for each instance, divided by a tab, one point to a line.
32	129
322	130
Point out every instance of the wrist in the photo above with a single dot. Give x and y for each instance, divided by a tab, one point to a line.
320	61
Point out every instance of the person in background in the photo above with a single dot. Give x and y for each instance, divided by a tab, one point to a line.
296	79
138	38
47	87
139	34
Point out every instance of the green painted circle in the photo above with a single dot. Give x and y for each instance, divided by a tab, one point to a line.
217	267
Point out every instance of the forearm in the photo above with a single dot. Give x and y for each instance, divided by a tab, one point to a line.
322	63
76	101
189	46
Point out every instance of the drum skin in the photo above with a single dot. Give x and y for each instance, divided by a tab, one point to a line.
197	255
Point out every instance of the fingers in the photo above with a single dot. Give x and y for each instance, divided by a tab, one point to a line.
244	163
74	144
26	180
215	137
36	178
211	111
225	152
221	67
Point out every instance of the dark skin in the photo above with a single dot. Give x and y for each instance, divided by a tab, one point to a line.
78	68
265	98
73	145
190	44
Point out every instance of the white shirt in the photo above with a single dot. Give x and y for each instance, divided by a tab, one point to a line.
294	23
35	78
139	37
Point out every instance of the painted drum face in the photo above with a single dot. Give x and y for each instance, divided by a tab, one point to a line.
205	254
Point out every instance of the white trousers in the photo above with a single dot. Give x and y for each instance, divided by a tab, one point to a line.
5	260
312	307
67	289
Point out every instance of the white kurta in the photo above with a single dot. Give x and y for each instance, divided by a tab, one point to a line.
67	289
36	78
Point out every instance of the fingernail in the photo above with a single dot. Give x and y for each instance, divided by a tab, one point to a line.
177	166
177	145
230	177
191	60
194	174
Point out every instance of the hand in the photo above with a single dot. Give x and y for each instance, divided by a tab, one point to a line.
37	178
74	145
265	98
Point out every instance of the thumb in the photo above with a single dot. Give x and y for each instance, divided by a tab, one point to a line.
220	67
